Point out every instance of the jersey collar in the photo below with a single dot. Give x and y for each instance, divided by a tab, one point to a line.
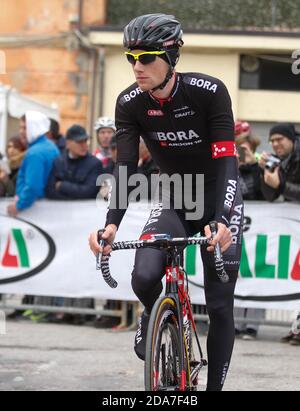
163	101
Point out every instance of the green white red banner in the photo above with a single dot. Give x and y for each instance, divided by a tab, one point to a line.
45	252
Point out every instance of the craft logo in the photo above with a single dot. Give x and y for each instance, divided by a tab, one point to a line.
25	250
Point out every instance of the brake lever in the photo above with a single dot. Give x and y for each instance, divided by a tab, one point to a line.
102	244
219	263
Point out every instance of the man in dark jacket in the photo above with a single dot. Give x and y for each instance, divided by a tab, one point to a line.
75	172
285	179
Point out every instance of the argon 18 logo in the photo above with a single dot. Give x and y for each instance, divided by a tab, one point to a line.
175	138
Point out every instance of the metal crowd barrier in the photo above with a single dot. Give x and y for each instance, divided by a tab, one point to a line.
10	303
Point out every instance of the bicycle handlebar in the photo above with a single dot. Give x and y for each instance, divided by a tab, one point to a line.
160	241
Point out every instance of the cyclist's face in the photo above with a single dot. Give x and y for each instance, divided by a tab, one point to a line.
150	75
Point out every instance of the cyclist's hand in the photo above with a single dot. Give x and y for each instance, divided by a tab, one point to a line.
109	236
223	237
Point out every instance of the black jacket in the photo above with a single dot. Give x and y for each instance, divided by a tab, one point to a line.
77	176
250	181
289	172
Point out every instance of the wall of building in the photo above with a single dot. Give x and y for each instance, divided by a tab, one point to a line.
57	74
217	56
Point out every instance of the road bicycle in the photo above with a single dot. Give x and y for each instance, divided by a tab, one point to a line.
171	363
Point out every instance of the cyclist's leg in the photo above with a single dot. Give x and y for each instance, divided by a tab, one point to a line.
220	301
221	336
149	267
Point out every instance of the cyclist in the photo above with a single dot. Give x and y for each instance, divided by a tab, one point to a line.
186	122
105	128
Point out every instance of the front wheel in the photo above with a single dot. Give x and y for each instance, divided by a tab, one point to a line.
164	370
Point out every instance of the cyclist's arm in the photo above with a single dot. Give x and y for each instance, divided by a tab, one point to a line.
221	132
128	138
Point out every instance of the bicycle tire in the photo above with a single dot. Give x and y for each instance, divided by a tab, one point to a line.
163	318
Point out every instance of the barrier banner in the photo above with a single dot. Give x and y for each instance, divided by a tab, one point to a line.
45	252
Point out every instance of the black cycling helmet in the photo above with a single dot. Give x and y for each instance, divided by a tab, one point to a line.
156	31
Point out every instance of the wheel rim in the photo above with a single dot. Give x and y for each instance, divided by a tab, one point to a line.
166	360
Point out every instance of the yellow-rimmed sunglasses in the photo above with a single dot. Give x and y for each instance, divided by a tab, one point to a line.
146	57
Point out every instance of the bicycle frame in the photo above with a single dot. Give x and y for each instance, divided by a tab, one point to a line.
175	289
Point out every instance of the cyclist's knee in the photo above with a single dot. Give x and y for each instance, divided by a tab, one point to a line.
220	300
220	310
145	279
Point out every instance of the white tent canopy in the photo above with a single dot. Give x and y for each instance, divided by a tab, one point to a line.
14	104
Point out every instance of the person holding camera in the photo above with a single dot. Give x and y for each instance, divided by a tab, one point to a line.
282	171
249	169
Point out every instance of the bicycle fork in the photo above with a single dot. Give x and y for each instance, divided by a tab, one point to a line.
172	276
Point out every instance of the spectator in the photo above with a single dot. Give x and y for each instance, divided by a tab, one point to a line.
106	186
248	330
35	169
106	129
22	131
243	135
75	172
250	172
282	171
55	136
16	151
293	337
74	177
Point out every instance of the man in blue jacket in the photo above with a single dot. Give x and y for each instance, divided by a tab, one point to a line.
37	164
75	172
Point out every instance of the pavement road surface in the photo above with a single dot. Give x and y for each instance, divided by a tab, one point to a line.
51	357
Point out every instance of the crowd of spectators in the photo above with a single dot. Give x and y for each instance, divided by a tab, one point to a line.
267	176
40	162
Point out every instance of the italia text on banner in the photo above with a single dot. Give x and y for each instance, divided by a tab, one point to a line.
45	252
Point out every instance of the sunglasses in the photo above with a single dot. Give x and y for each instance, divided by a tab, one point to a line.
146	57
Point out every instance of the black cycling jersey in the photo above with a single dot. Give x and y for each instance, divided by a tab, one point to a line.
191	132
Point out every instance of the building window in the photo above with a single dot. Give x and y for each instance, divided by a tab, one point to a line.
268	72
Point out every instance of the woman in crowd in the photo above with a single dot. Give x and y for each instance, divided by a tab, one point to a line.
16	151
